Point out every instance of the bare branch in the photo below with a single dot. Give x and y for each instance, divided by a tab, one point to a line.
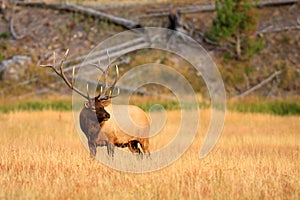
279	29
262	83
11	26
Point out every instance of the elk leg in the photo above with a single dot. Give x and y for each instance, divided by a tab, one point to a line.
92	134
146	151
92	147
136	147
132	145
110	148
140	150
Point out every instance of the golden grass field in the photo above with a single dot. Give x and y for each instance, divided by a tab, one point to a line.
257	157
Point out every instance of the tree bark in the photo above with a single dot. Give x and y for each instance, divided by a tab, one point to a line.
212	8
278	29
276	73
128	24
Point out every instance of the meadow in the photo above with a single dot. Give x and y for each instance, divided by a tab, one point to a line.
257	157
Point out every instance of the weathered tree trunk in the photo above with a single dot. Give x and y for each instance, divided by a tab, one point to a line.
212	8
259	85
86	11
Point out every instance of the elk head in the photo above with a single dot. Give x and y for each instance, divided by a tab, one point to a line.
93	113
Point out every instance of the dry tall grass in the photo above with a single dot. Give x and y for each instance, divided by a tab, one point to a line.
257	157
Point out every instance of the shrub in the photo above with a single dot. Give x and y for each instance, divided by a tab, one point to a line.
234	28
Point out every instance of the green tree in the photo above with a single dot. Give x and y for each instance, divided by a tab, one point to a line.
234	28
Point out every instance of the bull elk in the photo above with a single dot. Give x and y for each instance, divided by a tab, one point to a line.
96	119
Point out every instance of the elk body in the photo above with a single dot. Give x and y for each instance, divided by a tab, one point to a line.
134	137
99	126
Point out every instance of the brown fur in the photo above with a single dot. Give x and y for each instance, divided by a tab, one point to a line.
90	116
101	129
140	129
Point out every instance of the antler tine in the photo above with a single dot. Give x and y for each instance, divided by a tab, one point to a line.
112	87
117	76
61	67
87	90
73	74
97	66
62	74
105	74
115	80
52	66
108	57
114	83
105	86
112	96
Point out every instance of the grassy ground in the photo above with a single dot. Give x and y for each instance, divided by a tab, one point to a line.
257	157
251	105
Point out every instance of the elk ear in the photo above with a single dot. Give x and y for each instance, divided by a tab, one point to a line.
106	102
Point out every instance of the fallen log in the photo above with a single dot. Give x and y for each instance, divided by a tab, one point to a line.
160	10
112	56
278	29
209	8
128	24
110	50
212	8
275	3
262	83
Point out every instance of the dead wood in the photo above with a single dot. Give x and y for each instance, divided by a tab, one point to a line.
212	8
275	3
112	49
85	11
113	55
262	83
278	29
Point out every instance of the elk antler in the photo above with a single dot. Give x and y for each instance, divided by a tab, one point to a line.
61	74
103	91
102	95
112	87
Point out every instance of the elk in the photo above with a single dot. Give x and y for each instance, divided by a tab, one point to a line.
95	118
